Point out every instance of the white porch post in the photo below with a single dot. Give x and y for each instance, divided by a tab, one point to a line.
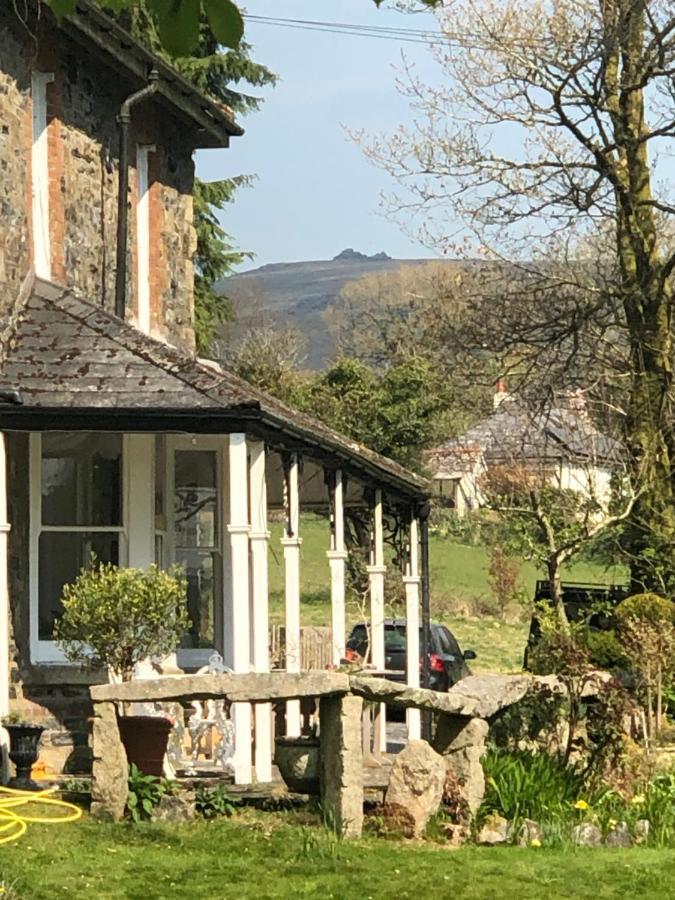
291	543
4	606
376	571
259	537
411	580
336	560
237	639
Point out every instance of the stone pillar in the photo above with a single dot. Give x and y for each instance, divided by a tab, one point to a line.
376	572
342	762
462	741
237	632
4	606
259	538
337	556
291	543
110	771
411	581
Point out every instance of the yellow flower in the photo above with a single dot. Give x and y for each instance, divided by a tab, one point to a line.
535	842
581	804
638	799
612	823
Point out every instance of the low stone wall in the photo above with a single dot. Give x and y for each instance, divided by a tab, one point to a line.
462	727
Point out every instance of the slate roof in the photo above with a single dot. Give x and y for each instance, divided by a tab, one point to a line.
78	365
518	432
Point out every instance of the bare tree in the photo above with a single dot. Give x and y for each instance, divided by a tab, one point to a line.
545	139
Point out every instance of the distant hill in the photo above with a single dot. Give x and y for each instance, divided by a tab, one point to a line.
296	295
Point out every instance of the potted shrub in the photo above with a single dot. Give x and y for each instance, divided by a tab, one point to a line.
112	619
24	740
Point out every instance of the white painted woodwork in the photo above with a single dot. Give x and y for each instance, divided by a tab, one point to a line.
376	572
337	556
237	640
4	605
259	538
412	581
40	175
291	543
140	499
143	152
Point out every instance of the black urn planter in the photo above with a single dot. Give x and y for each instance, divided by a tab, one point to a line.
23	751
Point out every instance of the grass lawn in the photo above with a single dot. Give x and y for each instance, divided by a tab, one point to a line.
260	856
459	578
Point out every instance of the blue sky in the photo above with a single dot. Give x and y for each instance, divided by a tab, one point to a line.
315	193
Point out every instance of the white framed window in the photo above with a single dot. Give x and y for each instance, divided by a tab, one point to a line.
195	529
77	509
40	175
143	152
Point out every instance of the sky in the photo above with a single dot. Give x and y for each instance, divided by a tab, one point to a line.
315	192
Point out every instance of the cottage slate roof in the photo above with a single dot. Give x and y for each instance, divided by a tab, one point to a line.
73	361
516	432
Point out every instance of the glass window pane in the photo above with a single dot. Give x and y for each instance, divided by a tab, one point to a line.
61	557
200	567
195	502
81	479
160	482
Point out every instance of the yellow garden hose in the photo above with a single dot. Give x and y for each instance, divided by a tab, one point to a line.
13	824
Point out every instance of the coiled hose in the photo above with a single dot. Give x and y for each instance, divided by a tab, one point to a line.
13	824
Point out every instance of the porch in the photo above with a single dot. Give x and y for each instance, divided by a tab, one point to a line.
118	445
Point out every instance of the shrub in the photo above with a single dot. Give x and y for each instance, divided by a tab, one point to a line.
116	617
213	802
145	792
503	578
605	650
524	785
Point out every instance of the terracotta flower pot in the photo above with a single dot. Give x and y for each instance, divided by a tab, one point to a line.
298	762
23	751
145	739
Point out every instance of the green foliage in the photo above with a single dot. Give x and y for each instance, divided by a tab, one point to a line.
648	608
179	21
398	412
116	617
605	650
522	785
214	802
145	792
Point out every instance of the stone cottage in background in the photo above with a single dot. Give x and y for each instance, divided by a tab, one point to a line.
554	442
114	438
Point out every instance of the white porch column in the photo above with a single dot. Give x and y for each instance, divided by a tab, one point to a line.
237	638
337	556
259	537
140	499
376	572
4	606
291	543
411	580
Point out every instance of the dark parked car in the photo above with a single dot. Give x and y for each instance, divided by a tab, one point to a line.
592	603
447	663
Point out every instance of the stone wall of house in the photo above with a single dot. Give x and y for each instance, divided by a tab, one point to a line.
83	141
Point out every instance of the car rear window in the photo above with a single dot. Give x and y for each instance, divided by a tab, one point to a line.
394	639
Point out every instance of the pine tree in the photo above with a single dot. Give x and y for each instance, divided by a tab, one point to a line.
225	75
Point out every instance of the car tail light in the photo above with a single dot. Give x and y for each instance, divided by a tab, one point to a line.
435	663
351	655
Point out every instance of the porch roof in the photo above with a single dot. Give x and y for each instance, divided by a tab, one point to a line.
77	366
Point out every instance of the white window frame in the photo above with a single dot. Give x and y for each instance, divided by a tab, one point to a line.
40	175
143	152
46	652
195	658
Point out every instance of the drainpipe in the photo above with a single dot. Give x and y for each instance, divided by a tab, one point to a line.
423	514
124	120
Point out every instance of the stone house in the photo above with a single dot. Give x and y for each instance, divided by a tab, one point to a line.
556	442
115	438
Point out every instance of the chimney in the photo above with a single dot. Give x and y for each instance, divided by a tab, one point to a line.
500	393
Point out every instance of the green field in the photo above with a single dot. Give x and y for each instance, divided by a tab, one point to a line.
459	591
273	855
